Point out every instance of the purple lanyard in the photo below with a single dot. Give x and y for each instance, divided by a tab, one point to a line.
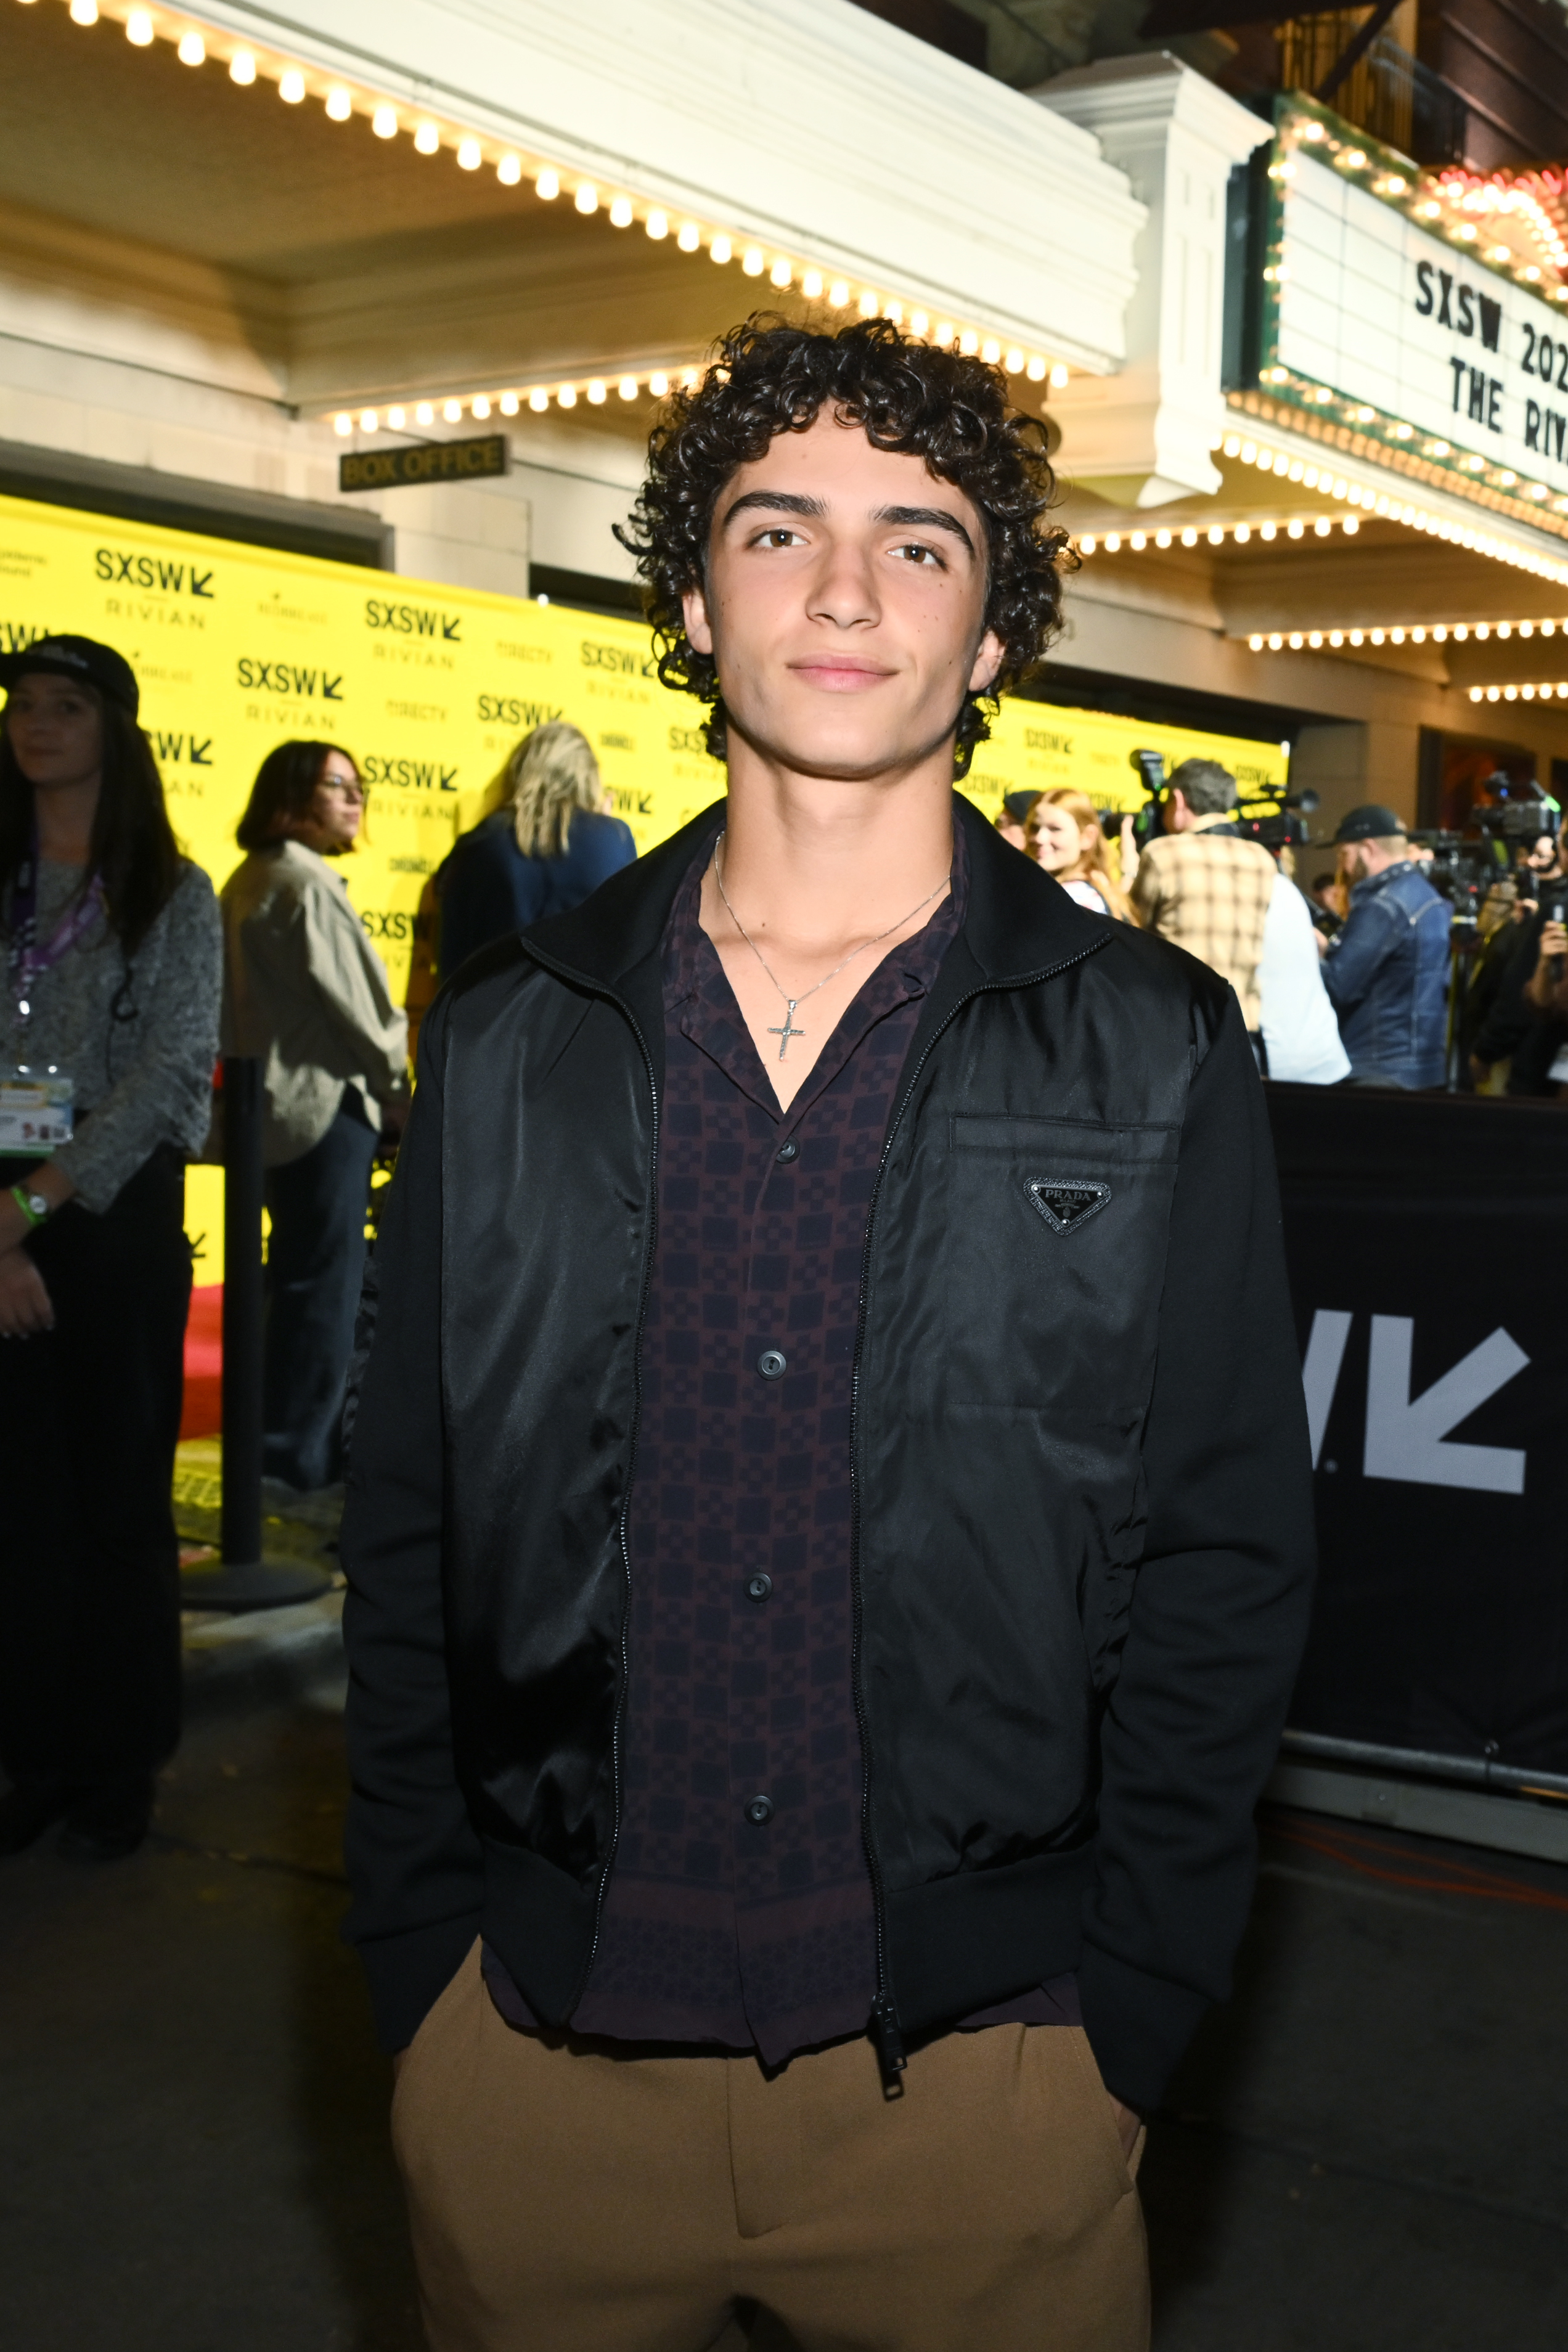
27	958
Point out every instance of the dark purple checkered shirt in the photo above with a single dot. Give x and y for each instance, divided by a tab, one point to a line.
739	1914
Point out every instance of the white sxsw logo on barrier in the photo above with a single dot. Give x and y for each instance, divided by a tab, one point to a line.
1406	1436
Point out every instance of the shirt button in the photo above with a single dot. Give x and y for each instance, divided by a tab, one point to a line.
786	1152
759	1586
773	1363
760	1812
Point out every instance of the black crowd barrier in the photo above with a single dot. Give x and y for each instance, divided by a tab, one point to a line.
1425	1237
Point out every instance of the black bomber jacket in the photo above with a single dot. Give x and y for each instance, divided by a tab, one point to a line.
1082	1542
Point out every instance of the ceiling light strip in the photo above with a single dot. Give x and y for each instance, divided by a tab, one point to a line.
1415	633
297	83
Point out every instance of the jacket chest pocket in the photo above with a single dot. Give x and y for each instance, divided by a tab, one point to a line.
1053	1265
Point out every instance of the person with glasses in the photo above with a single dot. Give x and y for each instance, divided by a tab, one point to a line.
306	994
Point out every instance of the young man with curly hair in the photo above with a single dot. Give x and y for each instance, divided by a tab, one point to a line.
828	1517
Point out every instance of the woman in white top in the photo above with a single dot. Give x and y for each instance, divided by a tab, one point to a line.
1064	835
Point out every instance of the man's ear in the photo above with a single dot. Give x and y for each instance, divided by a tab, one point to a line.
694	608
987	662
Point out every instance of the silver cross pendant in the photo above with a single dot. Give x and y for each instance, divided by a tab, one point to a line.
784	1031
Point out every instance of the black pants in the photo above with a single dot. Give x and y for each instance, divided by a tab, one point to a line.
315	1263
89	1417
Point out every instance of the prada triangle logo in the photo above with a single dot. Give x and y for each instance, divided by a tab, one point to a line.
1067	1201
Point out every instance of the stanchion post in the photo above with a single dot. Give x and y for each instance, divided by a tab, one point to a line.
243	1305
243	1579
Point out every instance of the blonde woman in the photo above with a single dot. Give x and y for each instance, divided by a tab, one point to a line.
1065	836
546	846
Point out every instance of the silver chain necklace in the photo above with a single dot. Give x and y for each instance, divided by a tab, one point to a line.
786	1029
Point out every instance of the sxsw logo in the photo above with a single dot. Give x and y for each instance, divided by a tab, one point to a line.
285	678
412	619
192	751
1407	1437
619	659
423	775
169	575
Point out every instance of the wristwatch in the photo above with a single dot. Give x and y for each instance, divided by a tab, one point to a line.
33	1206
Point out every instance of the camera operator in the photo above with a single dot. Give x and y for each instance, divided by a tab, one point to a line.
1387	971
1519	1024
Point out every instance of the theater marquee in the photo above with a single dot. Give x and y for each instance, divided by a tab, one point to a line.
1364	317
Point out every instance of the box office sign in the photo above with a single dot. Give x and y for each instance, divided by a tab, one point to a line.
1368	317
422	463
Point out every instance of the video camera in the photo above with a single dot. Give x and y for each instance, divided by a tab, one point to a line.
1463	871
1282	825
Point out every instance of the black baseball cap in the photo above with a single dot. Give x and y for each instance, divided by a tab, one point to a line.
1371	822
82	658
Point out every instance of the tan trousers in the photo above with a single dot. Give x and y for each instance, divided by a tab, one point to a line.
567	2200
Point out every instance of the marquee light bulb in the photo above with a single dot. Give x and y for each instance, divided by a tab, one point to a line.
538	400
292	89
627	387
780	273
658	385
596	391
1036	370
811	285
369	420
139	28
396	419
425	413
242	67
509	403
191	50
470	155
751	261
480	406
870	305
587	197
991	351
838	293
548	183
567	396
721	249
383	122
508	170
689	236
340	103
620	212
1058	377
426	138
657	225
1015	362
84	12
342	425
969	342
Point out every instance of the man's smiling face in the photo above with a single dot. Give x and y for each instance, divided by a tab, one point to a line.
843	605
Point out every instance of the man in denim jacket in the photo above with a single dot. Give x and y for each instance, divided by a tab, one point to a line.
1386	971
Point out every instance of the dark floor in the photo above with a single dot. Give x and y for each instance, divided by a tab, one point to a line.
1364	2153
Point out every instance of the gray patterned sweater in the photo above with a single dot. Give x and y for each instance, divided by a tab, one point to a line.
141	1066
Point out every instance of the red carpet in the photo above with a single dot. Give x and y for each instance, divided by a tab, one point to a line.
203	1416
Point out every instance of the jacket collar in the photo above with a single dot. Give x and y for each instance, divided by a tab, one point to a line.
1018	920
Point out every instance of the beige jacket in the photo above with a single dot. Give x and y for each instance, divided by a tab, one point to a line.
1211	897
306	994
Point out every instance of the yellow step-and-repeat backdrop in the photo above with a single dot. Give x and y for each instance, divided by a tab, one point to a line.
239	648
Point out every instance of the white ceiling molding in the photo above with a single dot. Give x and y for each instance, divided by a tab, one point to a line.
810	125
1145	436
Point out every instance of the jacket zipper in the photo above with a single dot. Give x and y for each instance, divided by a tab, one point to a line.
621	1007
887	2033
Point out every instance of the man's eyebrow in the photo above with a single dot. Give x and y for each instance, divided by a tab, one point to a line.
925	519
775	502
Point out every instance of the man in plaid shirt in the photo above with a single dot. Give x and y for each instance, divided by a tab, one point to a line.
1205	887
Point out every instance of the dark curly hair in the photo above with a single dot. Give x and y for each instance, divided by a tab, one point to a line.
769	377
